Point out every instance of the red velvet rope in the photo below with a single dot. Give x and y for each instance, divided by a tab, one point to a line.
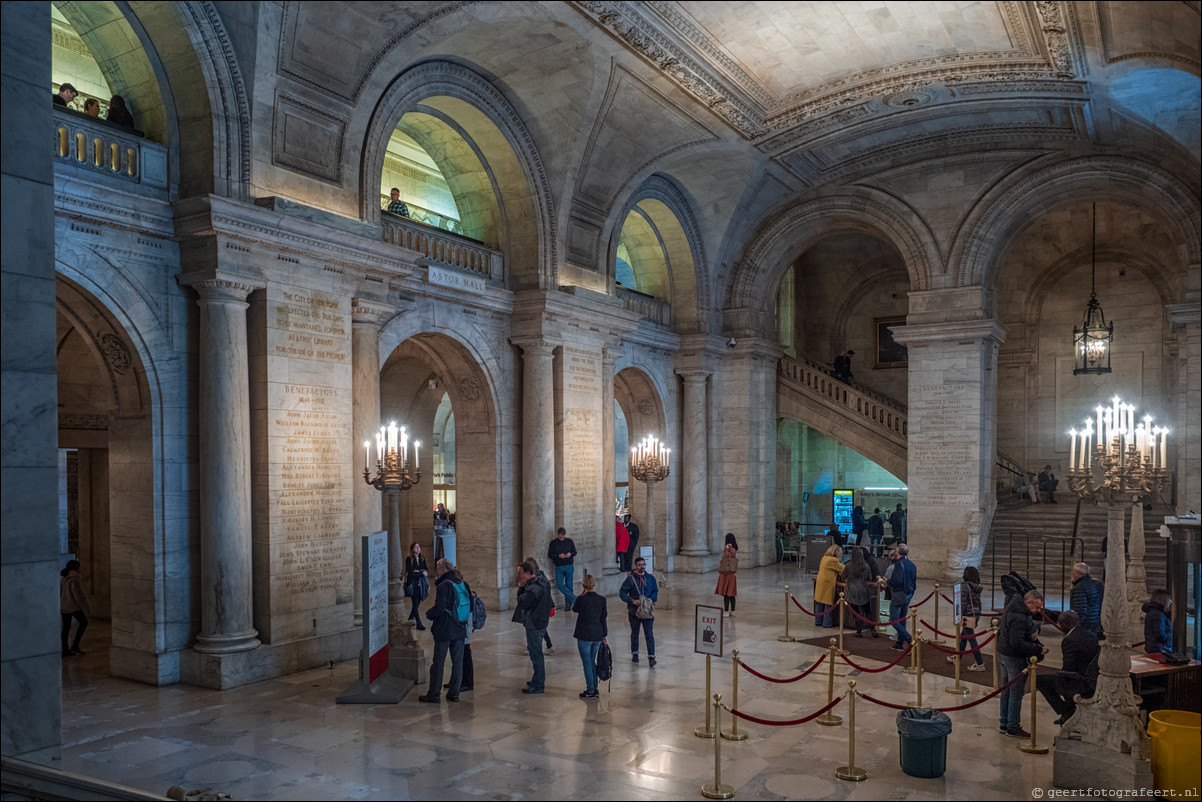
804	610
937	632
949	601
948	650
1049	621
794	722
802	675
1022	676
902	656
874	623
924	601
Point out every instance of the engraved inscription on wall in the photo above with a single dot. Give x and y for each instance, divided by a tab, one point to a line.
581	440
944	450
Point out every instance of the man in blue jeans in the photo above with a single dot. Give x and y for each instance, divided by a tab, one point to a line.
533	611
1017	643
638	587
902	582
562	553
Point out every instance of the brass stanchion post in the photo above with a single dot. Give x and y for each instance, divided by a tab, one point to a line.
993	629
787	638
706	732
829	719
842	607
733	734
959	691
937	638
914	667
918	660
1032	748
716	790
851	771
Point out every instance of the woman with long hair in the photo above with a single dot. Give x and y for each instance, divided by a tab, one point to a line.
417	581
970	609
856	577
826	585
727	583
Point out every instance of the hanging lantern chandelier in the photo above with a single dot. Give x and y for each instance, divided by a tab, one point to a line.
1092	340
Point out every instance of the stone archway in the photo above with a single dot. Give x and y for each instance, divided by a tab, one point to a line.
642	403
414	379
107	447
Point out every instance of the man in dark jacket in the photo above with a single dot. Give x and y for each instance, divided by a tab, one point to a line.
562	553
640	585
448	631
533	612
1086	599
897	523
1017	643
633	530
1079	673
902	582
1048	483
876	528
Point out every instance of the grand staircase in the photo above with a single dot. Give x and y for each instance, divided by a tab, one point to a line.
1036	541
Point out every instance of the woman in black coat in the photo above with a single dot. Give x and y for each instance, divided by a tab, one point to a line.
417	581
591	631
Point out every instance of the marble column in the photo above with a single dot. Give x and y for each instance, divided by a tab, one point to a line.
1186	420
538	447
365	421
608	504
1137	575
225	481
695	465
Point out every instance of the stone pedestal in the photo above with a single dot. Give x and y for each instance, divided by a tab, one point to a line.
406	659
1137	576
1076	764
225	480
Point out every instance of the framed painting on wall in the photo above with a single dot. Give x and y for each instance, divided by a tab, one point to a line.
886	352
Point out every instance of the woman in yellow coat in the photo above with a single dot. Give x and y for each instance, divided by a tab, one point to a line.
727	586
829	571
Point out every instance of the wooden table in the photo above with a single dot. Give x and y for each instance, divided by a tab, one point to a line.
1183	684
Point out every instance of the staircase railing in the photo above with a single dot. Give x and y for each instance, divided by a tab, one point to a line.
877	409
1039	559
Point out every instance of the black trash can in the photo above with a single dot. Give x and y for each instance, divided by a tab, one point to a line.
922	735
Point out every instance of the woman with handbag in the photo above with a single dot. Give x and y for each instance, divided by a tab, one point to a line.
727	584
417	581
970	609
591	631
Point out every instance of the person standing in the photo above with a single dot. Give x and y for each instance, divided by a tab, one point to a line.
843	366
639	588
897	523
119	113
417	582
826	587
533	612
728	588
859	525
591	631
398	207
72	604
1079	668
970	608
622	545
65	96
902	581
856	577
1086	598
1017	643
449	618
562	553
632	529
876	529
1158	626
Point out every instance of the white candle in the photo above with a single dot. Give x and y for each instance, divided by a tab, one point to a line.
665	458
1100	431
1139	441
1164	441
1115	412
392	435
1072	449
1088	455
366	453
417	455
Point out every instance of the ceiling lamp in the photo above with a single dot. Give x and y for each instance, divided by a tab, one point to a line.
1092	340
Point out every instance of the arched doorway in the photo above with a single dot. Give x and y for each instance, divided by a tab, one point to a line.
433	385
640	411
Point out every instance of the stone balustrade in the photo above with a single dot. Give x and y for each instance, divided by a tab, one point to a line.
101	148
875	409
442	247
646	306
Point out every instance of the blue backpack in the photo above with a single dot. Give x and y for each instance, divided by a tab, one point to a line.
463	605
478	613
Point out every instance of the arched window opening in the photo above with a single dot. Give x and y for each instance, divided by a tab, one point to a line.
443	451
641	249
621	461
424	194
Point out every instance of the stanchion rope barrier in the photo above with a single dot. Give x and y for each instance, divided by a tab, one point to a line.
885	624
802	675
804	610
931	628
924	601
946	599
1021	676
792	723
902	655
949	650
874	623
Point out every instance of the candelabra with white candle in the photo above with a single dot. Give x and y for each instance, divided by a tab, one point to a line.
649	464
396	470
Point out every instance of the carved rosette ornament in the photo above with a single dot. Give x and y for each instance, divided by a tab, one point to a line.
114	352
646	407
470	390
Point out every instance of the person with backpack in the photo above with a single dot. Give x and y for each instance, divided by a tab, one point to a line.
449	618
477	616
533	611
591	631
640	591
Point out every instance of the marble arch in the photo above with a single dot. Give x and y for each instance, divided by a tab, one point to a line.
483	113
1002	213
672	214
459	360
790	233
645	403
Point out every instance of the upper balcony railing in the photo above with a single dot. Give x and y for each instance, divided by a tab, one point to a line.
443	248
879	410
649	307
103	149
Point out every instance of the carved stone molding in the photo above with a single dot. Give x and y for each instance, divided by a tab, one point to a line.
115	352
470	390
1055	36
97	423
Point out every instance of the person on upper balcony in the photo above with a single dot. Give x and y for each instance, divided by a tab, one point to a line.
396	205
843	366
65	96
119	113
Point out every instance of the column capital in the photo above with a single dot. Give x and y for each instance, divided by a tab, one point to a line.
219	286
694	374
368	312
934	333
534	345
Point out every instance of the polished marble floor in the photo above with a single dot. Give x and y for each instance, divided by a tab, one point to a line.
287	739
